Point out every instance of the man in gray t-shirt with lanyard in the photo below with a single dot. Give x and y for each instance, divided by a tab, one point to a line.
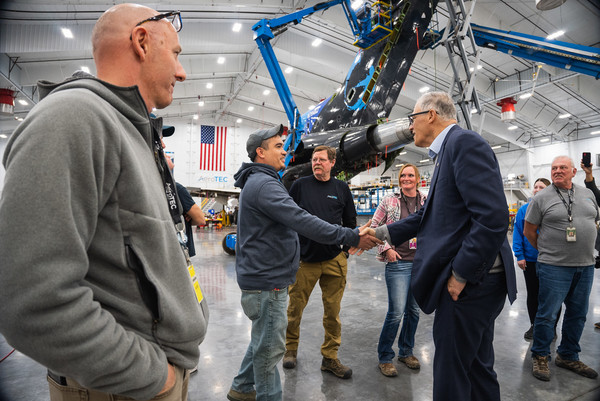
566	216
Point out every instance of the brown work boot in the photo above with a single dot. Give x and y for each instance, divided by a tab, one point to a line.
335	366
576	366
540	367
388	369
410	361
289	359
233	395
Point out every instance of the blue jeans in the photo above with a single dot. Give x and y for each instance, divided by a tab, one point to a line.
558	285
268	312
400	302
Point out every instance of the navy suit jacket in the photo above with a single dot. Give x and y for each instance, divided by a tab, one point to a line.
464	221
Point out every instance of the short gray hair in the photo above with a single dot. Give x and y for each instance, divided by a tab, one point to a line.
441	102
564	157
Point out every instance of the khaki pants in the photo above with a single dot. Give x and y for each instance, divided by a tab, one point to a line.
73	391
331	275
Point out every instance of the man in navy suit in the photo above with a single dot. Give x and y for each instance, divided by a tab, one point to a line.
463	267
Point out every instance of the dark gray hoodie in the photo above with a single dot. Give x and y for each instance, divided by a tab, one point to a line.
83	219
267	247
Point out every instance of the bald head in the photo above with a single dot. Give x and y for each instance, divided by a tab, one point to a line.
146	55
114	26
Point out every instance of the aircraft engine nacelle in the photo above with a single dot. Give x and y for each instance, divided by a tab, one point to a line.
358	148
390	136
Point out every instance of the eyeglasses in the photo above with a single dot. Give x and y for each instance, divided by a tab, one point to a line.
411	117
174	17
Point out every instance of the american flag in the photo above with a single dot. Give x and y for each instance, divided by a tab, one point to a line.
212	147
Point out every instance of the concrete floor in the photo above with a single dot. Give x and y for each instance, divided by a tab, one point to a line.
363	310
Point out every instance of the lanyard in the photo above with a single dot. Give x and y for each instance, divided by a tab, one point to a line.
569	207
170	187
406	202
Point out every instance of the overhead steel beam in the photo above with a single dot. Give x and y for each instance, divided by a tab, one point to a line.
10	70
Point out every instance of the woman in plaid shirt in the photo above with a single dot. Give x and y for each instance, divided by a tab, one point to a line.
398	267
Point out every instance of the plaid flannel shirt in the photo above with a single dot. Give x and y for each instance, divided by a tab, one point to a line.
388	211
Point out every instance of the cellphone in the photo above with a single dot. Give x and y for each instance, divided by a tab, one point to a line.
586	159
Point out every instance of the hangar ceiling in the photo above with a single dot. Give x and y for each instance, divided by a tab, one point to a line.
240	91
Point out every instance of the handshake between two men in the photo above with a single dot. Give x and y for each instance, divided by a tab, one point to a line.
367	240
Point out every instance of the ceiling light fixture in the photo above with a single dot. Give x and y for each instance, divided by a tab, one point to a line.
239	120
512	127
23	102
201	103
67	33
594	132
266	92
544	139
221	60
496	147
236	27
424	161
356	4
525	95
209	85
317	42
289	69
3	136
555	35
195	116
566	115
250	108
424	89
545	5
402	153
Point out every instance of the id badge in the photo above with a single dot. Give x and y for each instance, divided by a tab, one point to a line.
197	289
571	234
412	243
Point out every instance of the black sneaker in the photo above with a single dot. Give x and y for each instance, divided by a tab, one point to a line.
529	333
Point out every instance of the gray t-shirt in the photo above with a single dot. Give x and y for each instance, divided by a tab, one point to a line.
548	211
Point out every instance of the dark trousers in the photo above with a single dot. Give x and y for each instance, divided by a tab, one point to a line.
533	289
463	333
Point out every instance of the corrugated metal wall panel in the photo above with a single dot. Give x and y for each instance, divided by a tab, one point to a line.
29	38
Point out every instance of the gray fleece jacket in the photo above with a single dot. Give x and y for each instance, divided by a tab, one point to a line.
93	282
267	247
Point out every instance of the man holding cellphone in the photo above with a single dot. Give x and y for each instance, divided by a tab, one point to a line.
586	166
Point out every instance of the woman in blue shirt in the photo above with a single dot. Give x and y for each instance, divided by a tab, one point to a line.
526	256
